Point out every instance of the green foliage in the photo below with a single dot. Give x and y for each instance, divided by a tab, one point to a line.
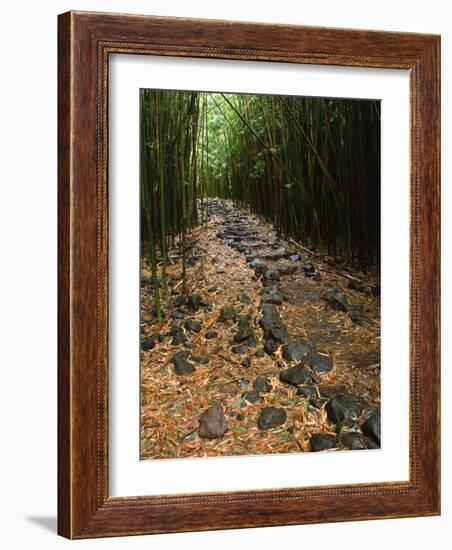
169	133
309	165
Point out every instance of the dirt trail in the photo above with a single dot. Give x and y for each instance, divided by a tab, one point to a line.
258	314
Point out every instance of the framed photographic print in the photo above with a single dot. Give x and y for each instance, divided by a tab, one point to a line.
248	275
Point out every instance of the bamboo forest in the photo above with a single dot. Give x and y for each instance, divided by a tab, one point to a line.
260	274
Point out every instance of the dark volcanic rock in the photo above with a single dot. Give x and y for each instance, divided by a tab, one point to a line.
269	284
244	298
272	298
272	275
251	396
297	350
175	327
212	423
260	353
308	268
296	376
148	343
244	383
271	289
262	385
318	362
271	417
272	324
181	365
178	314
275	256
359	319
240	349
287	270
311	394
192	324
178	336
245	331
337	300
210	334
327	392
370	443
353	284
307	391
372	427
252	341
245	362
287	298
194	301
199	359
180	300
322	442
259	267
343	408
270	346
227	312
352	441
316	276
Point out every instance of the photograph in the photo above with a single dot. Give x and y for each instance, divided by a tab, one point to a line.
249	246
260	235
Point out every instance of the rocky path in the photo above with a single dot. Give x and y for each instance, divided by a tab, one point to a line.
266	352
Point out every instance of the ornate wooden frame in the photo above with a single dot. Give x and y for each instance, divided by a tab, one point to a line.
85	42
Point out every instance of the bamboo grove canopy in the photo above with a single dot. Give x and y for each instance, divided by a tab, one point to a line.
309	165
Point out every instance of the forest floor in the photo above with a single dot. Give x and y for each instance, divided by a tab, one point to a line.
271	349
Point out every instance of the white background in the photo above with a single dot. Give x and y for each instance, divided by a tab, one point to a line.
128	475
28	270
